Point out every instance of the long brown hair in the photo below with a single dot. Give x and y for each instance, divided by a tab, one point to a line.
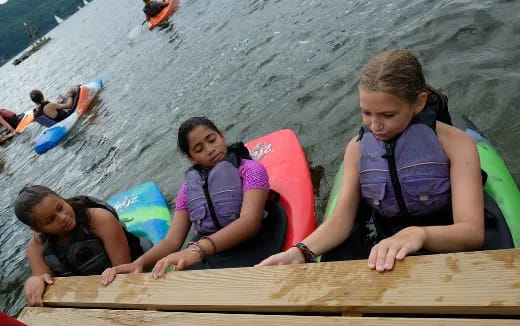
397	72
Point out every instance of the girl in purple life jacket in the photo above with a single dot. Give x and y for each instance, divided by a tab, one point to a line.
224	197
420	177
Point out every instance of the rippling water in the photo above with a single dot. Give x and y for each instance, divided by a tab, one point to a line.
254	66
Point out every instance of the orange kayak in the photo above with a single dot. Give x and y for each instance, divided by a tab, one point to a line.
27	119
163	15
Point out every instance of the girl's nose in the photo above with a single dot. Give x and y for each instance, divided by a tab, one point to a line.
376	125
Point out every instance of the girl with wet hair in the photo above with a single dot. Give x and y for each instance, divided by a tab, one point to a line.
418	179
224	198
76	236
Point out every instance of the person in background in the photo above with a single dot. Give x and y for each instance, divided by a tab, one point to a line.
54	111
152	8
8	123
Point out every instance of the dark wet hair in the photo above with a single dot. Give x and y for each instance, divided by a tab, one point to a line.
187	126
29	197
37	96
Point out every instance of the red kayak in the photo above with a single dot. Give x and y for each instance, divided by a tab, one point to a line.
283	157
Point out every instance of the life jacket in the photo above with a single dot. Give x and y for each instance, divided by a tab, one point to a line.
42	118
10	117
85	254
409	176
152	10
215	196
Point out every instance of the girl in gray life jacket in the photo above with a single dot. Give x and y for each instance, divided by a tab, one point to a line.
224	198
75	236
418	179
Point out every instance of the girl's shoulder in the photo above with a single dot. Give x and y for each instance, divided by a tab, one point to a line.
454	141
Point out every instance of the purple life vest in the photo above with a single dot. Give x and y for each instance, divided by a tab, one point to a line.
223	185
420	184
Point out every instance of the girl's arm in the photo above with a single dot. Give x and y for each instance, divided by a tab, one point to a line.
171	243
229	236
6	124
35	285
106	227
337	228
467	230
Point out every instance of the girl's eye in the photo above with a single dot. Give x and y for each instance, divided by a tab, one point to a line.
388	115
212	139
365	113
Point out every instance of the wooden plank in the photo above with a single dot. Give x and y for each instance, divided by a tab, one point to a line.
102	317
486	282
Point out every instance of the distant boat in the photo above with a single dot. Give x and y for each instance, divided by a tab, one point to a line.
85	2
58	19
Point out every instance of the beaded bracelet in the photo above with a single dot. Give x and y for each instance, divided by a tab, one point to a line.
212	243
308	255
199	248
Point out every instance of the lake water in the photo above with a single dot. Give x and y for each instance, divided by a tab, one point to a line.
253	66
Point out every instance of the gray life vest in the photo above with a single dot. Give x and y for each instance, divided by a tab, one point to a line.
408	176
215	196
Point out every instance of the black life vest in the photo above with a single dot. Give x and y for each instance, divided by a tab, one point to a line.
85	254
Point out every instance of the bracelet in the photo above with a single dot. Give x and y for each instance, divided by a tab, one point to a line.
308	255
212	243
199	248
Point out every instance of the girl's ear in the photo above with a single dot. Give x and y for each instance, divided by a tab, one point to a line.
422	98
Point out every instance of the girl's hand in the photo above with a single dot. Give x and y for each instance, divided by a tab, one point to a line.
34	288
407	241
110	273
180	259
291	256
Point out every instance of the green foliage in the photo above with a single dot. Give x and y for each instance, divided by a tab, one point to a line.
39	13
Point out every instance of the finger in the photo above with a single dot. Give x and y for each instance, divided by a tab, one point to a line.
381	256
390	258
402	253
157	268
372	257
180	265
48	279
163	268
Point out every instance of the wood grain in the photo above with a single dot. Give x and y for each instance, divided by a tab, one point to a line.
486	282
104	317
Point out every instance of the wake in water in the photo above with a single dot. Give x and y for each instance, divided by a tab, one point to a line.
58	19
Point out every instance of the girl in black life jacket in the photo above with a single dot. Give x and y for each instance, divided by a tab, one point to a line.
76	236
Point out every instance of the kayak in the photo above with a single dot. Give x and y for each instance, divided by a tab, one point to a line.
163	15
285	161
27	119
51	136
500	185
144	211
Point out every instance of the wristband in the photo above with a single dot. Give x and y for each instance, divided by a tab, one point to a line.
308	255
